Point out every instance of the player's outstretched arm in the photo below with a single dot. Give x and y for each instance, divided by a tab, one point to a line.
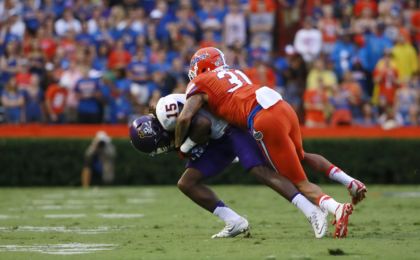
191	107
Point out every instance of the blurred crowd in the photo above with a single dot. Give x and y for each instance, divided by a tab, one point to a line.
345	62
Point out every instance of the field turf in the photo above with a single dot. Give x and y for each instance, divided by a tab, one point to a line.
161	223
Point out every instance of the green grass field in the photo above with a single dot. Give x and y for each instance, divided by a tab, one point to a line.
161	223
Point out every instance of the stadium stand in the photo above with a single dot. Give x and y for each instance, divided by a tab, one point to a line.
84	61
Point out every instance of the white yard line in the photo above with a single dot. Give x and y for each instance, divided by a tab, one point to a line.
61	229
407	194
43	202
65	216
58	249
61	207
139	201
53	196
7	217
120	215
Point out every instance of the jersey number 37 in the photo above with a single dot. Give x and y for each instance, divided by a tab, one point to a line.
236	78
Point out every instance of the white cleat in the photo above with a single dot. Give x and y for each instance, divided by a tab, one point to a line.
357	191
234	228
319	222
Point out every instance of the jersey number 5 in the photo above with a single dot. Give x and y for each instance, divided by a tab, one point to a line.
237	78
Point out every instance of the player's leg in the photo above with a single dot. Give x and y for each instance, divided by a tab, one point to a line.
341	211
214	160
252	159
319	163
190	184
285	156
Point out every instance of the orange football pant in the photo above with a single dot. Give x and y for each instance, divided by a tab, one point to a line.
281	140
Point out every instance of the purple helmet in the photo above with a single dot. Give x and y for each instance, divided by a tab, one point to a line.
148	136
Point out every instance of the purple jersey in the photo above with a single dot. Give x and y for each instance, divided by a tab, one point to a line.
221	152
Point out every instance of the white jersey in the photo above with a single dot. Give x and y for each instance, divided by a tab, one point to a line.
169	107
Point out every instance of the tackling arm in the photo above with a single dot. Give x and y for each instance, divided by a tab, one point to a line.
191	106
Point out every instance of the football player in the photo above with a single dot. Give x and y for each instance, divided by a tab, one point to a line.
229	94
153	136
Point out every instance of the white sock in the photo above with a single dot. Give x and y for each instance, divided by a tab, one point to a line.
328	203
336	174
226	214
302	203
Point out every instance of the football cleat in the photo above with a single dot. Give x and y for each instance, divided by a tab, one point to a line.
319	222
357	191
342	214
232	229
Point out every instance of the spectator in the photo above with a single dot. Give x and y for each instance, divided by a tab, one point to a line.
23	77
184	22
89	96
102	35
261	74
94	20
9	61
208	39
119	58
390	119
31	16
369	118
160	19
13	102
342	54
120	103
68	80
67	23
405	59
413	18
386	78
320	77
17	26
364	24
329	28
47	42
340	101
139	69
55	103
33	101
235	26
98	167
406	104
137	21
362	77
36	59
294	75
236	56
375	46
362	5
100	61
261	24
210	17
308	41
354	94
315	103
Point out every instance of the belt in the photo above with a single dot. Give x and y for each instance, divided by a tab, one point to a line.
251	116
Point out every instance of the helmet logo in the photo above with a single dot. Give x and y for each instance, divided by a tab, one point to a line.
198	58
146	130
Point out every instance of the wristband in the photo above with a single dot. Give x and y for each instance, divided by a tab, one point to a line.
187	145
